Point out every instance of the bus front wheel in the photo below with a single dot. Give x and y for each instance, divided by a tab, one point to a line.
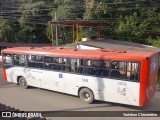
86	95
23	83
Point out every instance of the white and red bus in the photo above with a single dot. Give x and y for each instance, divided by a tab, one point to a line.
126	77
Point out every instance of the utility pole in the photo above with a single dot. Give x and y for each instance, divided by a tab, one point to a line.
52	31
56	29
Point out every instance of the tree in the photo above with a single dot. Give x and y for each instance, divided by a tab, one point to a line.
25	34
68	9
95	9
6	31
34	11
130	27
131	20
35	16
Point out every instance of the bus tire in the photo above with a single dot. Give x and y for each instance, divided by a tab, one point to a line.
86	95
23	83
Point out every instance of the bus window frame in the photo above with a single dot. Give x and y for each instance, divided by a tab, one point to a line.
35	61
26	64
4	61
139	63
53	63
84	66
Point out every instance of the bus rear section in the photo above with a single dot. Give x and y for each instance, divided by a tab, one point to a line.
153	76
149	76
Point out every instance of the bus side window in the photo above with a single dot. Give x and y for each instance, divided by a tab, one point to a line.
133	71
35	61
7	60
57	64
73	65
103	70
115	70
31	61
125	70
87	67
48	63
19	60
60	61
22	60
67	64
79	66
119	70
95	64
16	59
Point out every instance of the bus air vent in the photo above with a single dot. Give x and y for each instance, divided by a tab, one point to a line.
75	50
122	51
108	50
47	47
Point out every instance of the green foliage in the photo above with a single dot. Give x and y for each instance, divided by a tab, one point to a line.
95	9
67	9
48	32
154	42
138	22
25	34
62	13
32	9
6	31
30	31
130	28
64	35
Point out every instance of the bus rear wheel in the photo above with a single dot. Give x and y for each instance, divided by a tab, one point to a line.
23	83
86	95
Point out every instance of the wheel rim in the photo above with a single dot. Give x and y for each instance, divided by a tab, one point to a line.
23	83
86	95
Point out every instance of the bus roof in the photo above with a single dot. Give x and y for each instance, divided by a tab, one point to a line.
117	44
82	53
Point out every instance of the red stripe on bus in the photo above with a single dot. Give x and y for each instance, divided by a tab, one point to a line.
4	73
4	70
144	83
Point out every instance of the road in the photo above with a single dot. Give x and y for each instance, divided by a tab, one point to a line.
35	99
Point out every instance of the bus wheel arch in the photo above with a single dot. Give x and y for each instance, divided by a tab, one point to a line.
18	79
86	95
22	82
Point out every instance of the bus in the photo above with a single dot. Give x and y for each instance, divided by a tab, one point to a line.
125	77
